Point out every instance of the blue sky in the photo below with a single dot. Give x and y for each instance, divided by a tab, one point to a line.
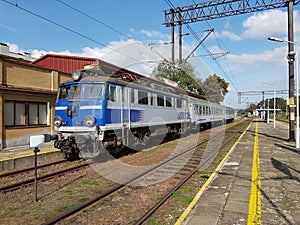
254	63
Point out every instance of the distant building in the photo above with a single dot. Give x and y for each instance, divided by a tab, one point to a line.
4	50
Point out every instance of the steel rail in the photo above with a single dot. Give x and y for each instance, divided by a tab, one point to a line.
187	177
119	187
18	185
12	173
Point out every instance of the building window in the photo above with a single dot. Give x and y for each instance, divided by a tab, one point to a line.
37	113
19	114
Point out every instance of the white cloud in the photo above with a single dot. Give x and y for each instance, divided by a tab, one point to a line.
243	62
230	35
264	24
276	57
151	34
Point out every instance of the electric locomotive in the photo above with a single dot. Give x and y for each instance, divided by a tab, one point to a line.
97	112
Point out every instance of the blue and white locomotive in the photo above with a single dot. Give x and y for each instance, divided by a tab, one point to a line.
98	112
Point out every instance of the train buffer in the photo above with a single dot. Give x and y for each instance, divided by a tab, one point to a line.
258	182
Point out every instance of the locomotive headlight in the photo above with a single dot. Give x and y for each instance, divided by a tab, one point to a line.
76	75
57	121
89	121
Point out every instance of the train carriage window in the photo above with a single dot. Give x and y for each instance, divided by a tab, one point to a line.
143	97
160	100
112	94
178	103
151	99
168	101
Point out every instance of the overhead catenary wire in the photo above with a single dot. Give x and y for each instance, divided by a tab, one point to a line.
225	60
71	30
171	5
94	19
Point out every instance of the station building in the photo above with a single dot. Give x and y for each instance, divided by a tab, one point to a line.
28	91
28	94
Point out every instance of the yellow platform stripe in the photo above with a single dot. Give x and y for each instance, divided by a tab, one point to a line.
207	183
254	212
26	155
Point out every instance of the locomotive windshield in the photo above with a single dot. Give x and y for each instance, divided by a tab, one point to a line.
64	93
81	91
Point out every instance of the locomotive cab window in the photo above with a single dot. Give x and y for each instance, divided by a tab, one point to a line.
92	91
112	94
63	93
75	92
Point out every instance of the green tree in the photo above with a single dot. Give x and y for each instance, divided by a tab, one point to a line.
183	74
215	88
280	104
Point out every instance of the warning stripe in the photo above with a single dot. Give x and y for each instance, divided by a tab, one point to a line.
254	212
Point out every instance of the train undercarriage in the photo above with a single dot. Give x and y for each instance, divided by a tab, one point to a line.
87	145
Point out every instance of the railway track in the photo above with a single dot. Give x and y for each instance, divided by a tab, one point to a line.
17	172
196	161
14	185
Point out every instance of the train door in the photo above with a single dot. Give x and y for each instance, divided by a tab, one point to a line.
126	106
124	93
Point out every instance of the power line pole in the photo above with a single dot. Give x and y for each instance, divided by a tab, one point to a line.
173	37
180	37
291	59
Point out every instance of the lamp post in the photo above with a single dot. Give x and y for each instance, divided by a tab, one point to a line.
292	58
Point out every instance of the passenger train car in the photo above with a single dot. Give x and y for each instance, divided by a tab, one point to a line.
98	112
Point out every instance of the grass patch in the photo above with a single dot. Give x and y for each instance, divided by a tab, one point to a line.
69	191
64	207
155	222
185	200
10	212
91	183
36	208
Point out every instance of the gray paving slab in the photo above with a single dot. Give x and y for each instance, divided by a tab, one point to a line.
226	200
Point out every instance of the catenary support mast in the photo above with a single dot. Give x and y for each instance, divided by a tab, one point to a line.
223	8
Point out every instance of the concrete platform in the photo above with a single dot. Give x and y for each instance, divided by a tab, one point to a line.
23	157
259	182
